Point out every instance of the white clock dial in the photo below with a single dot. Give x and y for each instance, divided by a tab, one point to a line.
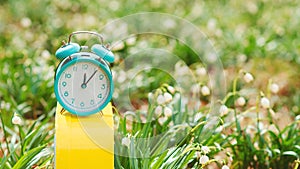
83	87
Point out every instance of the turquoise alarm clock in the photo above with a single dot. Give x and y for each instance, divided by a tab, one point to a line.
83	81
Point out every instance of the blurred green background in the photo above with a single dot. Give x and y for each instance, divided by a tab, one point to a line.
263	35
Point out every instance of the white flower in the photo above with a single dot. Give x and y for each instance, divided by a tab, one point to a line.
241	101
25	22
205	91
265	103
171	89
168	97
201	71
131	40
167	111
162	120
160	99
274	88
45	54
118	46
219	129
198	154
248	77
203	159
158	110
16	120
223	110
126	141
225	167
150	96
205	149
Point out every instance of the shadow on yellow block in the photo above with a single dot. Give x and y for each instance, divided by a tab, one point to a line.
84	142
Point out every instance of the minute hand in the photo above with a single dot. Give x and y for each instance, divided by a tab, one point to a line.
91	77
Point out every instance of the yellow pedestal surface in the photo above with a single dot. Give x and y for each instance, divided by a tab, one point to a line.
84	142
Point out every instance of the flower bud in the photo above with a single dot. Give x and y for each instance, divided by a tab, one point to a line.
158	110
168	97
205	149
265	103
16	120
203	159
248	77
241	101
274	88
171	89
160	99
167	111
126	141
162	120
225	167
201	71
223	110
205	91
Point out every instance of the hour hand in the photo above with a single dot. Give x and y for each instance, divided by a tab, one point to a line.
83	85
84	78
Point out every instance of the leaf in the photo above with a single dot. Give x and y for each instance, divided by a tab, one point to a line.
26	161
158	162
291	153
297	147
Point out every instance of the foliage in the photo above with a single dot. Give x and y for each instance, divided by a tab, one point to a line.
28	144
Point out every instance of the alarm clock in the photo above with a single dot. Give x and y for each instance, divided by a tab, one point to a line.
83	81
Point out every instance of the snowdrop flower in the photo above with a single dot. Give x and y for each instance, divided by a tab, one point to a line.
205	91
46	54
198	154
160	99
297	118
205	149
167	111
118	46
241	101
219	129
16	120
126	141
121	77
203	159
162	120
223	110
265	103
158	110
25	22
274	88
7	106
150	96
171	89
168	97
225	167
131	40
248	77
201	71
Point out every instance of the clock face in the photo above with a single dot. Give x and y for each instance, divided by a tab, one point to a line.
83	86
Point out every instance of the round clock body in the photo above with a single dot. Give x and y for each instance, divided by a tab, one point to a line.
83	84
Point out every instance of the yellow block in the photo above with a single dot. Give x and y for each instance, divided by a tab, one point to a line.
84	142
